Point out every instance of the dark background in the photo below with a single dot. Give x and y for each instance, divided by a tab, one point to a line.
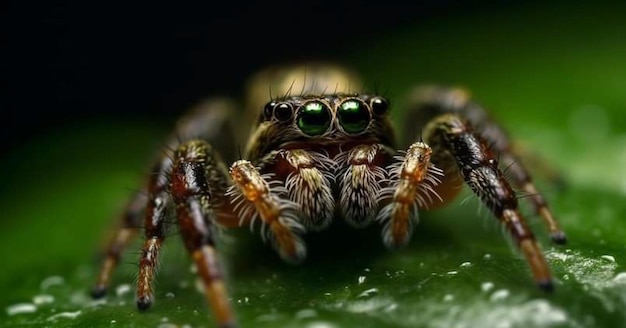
67	62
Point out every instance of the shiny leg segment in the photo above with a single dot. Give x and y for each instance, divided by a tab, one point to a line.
478	166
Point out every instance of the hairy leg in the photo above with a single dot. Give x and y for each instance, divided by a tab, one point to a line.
428	102
212	121
478	166
411	186
260	196
155	227
198	184
130	225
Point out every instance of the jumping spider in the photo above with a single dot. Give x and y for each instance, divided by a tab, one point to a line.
314	156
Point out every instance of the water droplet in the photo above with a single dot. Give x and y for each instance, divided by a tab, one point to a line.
199	286
486	286
608	258
366	305
448	298
499	295
328	294
113	322
369	292
21	308
320	324
306	313
452	273
269	317
362	279
122	290
167	325
465	264
51	281
64	315
620	278
487	256
94	303
169	295
565	277
391	307
366	269
43	299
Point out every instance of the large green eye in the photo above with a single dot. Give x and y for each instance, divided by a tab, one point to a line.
354	116
314	118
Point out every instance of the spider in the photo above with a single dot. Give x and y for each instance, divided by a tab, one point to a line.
319	152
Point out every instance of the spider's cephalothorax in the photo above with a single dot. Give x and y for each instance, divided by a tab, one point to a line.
315	156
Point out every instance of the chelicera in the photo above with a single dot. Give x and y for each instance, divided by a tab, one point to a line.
318	153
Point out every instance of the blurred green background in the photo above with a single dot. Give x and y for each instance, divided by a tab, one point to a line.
553	74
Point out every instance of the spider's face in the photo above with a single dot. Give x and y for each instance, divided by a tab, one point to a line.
319	121
314	106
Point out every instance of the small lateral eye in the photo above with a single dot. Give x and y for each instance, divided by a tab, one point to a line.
314	118
268	110
354	116
380	105
283	112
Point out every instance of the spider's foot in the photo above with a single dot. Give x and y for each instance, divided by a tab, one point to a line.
546	285
98	291
144	303
228	325
558	237
292	251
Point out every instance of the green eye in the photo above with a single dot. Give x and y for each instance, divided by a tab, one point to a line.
314	118
354	116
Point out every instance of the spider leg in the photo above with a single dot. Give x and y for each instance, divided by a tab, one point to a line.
430	101
253	196
522	179
198	184
131	221
153	199
478	166
411	186
209	121
155	227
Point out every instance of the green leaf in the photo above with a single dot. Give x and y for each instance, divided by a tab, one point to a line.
558	88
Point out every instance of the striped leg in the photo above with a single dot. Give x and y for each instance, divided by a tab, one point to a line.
198	184
479	168
430	101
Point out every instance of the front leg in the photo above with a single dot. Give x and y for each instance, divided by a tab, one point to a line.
478	166
411	186
254	197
